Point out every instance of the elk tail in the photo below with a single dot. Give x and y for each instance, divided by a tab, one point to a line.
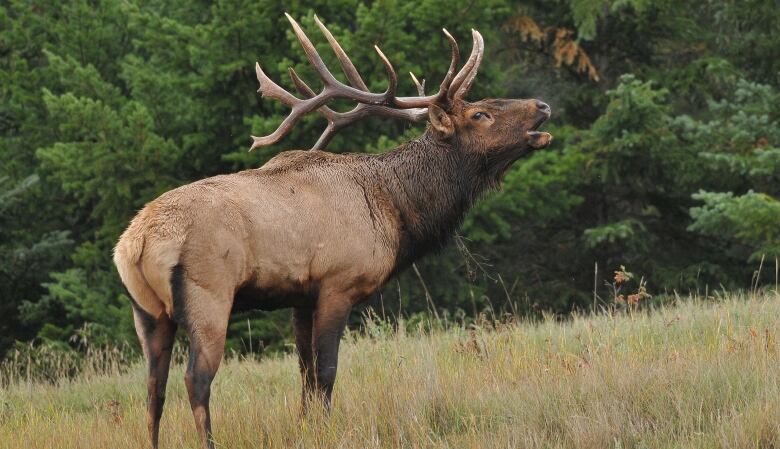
127	258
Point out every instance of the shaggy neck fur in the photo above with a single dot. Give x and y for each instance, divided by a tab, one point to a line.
432	184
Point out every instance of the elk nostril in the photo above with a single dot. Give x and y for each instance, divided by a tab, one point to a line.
542	106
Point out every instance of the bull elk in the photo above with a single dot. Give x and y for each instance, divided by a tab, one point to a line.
312	230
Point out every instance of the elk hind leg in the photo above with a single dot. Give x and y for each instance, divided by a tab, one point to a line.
205	317
156	336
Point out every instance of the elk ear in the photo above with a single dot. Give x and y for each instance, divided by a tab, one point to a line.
440	121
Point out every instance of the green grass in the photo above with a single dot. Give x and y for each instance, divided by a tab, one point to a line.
701	374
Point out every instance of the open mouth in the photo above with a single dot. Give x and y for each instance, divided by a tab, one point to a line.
538	139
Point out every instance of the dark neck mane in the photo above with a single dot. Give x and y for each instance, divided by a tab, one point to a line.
432	185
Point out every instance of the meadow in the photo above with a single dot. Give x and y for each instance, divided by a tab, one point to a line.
697	373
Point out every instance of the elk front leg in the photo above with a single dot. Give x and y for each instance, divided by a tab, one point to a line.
303	321
330	318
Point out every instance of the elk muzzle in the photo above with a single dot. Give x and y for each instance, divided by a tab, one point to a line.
537	139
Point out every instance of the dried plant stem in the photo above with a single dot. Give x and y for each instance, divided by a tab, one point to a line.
757	275
428	297
595	285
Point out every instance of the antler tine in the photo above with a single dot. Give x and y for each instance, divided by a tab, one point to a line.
349	68
337	88
465	77
268	88
339	120
445	84
420	86
346	64
311	52
392	78
466	86
301	86
423	102
326	136
331	115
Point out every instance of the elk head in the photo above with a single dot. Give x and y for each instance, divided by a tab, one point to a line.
497	130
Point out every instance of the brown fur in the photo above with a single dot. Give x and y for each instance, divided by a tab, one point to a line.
312	230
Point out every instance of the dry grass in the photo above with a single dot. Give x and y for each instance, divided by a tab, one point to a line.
696	375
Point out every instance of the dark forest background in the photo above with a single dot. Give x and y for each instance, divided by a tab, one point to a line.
666	156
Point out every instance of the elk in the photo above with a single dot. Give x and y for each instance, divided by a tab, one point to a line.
315	231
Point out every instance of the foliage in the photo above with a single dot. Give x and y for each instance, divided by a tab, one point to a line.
739	143
26	261
750	219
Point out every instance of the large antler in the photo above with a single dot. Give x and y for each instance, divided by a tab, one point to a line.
384	104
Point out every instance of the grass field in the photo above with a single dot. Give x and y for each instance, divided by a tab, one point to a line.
700	374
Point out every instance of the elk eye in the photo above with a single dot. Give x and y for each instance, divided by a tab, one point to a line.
480	115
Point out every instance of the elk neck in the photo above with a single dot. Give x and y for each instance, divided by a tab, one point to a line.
432	184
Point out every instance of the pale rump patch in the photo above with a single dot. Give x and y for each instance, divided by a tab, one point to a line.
146	253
